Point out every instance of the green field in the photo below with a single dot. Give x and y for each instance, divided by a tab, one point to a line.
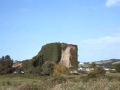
113	74
14	81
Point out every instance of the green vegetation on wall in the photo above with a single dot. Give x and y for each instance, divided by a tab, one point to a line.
64	46
74	57
49	55
51	52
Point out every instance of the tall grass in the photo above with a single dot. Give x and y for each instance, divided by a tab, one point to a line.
100	84
58	83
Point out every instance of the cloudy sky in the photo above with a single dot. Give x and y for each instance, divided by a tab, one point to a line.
94	25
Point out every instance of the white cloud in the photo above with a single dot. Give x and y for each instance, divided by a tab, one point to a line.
112	3
100	43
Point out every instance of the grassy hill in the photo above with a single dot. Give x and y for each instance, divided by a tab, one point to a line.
107	63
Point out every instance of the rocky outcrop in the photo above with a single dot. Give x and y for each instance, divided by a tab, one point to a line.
69	59
66	55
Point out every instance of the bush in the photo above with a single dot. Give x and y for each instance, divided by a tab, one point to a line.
47	68
35	70
92	74
60	69
100	71
26	66
117	67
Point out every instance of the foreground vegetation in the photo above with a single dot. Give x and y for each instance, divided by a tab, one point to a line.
66	82
55	76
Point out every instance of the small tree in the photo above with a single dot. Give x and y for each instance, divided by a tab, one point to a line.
60	69
26	65
6	65
117	67
93	65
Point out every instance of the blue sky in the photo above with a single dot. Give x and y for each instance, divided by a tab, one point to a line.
94	25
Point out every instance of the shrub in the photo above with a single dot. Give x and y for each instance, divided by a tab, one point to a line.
35	70
47	68
93	65
60	69
117	67
92	74
26	66
100	71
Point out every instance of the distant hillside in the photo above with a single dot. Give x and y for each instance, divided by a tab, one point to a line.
107	63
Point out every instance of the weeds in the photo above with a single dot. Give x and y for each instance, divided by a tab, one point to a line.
100	84
61	83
